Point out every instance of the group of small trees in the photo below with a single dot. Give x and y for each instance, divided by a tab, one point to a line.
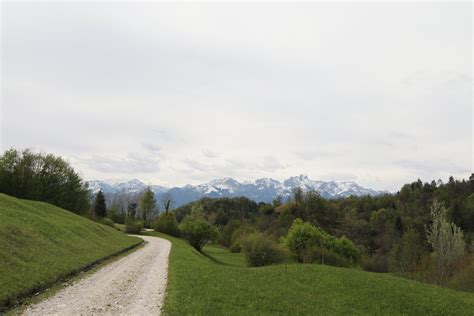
137	215
144	213
40	177
410	257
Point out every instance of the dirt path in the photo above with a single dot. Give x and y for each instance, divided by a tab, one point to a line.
132	285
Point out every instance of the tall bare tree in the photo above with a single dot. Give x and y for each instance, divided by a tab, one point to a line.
447	242
167	202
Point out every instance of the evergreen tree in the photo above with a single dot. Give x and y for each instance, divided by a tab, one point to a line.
100	210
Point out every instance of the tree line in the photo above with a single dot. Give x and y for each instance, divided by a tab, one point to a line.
43	177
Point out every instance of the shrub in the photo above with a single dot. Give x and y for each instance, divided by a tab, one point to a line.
238	235
236	247
198	232
166	223
117	217
116	214
260	250
326	256
302	237
311	244
227	232
376	263
106	221
346	249
464	279
133	226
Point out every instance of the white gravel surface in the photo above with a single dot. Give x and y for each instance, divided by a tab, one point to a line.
132	285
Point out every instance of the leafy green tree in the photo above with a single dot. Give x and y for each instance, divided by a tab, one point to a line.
115	213
166	223
277	201
147	206
198	232
46	178
266	209
469	219
297	195
197	212
100	209
407	253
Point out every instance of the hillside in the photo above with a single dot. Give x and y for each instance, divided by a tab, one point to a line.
41	244
218	283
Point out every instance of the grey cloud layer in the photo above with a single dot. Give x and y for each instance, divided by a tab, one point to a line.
177	93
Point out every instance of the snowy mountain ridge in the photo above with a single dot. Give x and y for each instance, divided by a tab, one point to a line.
260	190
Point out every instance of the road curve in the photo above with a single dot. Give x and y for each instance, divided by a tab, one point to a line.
132	285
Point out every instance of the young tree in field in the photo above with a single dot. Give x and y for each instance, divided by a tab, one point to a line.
446	240
198	232
147	206
100	210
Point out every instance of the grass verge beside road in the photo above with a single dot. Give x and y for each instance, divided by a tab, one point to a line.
217	282
41	244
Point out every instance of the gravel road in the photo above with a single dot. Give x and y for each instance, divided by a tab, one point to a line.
132	285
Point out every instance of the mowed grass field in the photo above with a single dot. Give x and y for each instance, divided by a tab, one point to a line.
41	244
218	283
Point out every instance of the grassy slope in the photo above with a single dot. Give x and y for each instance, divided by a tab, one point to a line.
218	283
41	244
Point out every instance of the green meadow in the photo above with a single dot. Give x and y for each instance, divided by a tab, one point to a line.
217	282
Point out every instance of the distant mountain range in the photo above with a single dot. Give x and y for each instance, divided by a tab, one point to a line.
261	190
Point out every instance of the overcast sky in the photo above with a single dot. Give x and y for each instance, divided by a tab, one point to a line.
184	93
